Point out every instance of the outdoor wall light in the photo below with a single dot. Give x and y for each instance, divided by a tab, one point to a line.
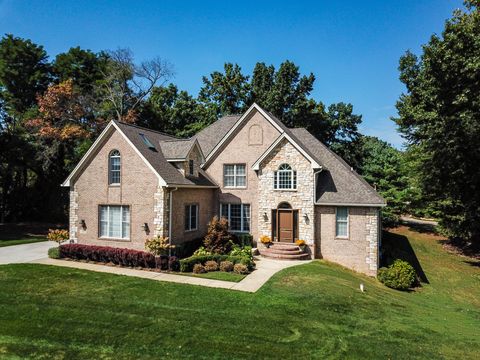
265	216
145	227
82	224
305	217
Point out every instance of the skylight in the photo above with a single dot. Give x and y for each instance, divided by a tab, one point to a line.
147	142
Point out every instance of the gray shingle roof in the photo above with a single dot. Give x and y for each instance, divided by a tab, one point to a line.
209	137
176	149
338	183
156	158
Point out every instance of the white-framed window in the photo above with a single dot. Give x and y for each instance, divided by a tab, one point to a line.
114	167
191	217
114	221
285	178
341	222
190	167
238	216
234	175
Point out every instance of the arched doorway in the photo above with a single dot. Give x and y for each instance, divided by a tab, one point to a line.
285	223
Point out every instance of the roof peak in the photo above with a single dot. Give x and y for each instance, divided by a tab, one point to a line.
148	129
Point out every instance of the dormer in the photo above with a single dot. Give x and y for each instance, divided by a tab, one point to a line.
185	155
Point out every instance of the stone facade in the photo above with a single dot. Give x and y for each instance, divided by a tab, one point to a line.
73	214
301	198
360	250
161	212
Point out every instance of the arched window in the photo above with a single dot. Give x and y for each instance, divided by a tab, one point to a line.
114	167
285	178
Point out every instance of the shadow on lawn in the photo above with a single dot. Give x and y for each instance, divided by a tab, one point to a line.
395	246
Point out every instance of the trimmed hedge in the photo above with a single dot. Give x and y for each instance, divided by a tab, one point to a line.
186	265
118	256
54	253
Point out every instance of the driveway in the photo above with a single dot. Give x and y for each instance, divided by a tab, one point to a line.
25	252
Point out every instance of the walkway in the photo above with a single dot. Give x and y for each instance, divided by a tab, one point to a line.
25	252
265	269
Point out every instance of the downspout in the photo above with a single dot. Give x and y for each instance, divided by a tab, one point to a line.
170	208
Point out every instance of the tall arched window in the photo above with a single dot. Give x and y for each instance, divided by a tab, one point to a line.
285	178
114	167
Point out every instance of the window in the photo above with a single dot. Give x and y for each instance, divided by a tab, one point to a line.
341	222
114	168
234	175
190	167
191	217
115	221
147	142
285	178
238	216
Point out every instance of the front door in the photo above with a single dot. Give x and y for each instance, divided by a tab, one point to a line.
285	225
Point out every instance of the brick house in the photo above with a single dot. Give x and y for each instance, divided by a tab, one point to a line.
267	179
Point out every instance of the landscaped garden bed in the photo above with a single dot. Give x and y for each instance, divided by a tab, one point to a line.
223	256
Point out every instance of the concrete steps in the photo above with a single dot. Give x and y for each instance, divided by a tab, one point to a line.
283	251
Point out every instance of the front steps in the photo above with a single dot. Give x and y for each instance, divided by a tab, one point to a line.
283	251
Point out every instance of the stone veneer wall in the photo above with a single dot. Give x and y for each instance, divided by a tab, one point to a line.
301	198
360	251
73	218
161	211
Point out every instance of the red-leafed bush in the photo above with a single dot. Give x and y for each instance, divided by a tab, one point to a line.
123	257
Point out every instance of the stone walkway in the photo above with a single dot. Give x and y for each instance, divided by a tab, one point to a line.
265	269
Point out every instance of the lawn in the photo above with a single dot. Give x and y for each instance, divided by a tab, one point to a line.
309	311
218	275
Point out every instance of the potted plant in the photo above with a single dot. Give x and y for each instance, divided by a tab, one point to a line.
266	240
301	244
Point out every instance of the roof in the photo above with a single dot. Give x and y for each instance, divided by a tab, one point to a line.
156	157
210	136
337	183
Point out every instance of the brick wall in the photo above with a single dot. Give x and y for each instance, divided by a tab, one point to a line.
360	251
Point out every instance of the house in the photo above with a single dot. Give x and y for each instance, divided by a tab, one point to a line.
267	179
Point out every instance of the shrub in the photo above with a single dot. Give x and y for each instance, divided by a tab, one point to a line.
123	257
218	240
244	239
159	245
198	269
187	248
173	263
57	235
226	266
265	240
54	253
400	275
211	265
240	269
201	251
245	252
186	265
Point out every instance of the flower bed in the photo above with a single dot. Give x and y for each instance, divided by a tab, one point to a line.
186	265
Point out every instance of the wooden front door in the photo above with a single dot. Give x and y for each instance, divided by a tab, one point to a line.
285	225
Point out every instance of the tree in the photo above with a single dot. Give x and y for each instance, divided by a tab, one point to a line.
439	117
383	167
226	92
24	73
83	67
127	84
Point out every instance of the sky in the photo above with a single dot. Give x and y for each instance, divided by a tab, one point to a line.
352	47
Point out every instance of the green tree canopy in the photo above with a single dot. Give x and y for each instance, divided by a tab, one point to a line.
439	115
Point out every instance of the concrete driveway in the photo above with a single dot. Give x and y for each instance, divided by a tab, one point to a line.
25	252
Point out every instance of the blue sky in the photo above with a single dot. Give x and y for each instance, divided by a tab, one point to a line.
352	47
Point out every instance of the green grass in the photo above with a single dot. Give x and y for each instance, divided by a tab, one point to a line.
309	311
218	275
24	240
